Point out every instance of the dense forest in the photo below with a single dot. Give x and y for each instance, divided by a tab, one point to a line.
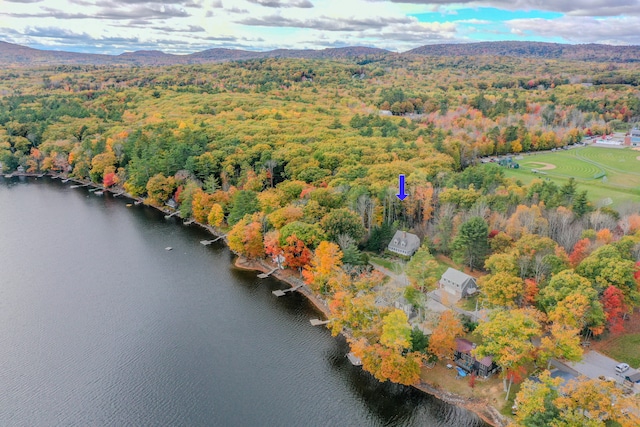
293	158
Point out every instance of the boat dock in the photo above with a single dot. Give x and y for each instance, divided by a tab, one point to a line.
79	186
265	275
355	360
189	222
173	214
208	242
282	292
318	322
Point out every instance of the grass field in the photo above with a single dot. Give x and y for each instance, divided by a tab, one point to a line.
625	348
604	172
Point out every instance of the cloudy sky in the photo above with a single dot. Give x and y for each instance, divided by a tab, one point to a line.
175	26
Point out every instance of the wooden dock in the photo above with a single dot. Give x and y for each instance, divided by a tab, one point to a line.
173	214
189	222
208	242
282	292
79	186
318	322
265	275
118	194
355	360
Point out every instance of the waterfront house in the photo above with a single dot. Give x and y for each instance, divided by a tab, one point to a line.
458	283
464	359
404	243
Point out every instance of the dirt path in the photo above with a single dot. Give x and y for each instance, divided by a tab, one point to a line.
544	167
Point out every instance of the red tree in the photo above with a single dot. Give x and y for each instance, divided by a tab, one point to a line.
296	253
580	252
110	179
614	308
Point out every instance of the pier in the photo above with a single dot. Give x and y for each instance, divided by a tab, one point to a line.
189	222
173	214
118	194
318	322
208	242
282	292
355	360
79	186
265	275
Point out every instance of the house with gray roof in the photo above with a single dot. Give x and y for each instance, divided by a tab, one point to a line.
404	243
458	283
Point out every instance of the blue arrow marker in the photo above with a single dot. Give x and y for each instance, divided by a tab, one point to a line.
401	194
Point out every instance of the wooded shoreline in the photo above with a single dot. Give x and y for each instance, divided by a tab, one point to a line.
482	408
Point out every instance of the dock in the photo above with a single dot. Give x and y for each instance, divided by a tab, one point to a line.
65	180
118	194
9	175
79	186
173	214
282	292
318	322
189	222
265	275
98	193
137	202
355	360
208	242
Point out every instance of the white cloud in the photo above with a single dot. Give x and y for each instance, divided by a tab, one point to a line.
581	29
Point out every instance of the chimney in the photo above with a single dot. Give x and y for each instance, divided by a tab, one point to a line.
404	234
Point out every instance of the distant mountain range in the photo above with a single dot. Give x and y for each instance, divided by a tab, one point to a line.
13	54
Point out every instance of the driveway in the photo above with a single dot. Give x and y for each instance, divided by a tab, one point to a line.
594	365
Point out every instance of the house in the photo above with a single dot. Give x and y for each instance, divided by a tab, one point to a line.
458	283
404	243
633	378
635	136
464	359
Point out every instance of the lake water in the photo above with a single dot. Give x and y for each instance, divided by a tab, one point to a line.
100	326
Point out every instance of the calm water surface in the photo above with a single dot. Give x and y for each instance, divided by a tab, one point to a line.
100	326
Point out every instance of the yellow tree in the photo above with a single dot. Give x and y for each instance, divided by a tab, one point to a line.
245	238
216	215
507	338
396	332
443	339
326	261
502	289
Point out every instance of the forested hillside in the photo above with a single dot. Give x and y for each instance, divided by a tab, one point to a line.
292	157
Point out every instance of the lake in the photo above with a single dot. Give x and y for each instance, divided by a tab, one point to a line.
101	326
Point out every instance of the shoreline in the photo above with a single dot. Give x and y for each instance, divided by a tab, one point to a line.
483	409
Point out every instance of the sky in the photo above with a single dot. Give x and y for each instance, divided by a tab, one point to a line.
176	26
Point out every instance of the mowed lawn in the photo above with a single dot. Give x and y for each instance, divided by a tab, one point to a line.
625	348
587	165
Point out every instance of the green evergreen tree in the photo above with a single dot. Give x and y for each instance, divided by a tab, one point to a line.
471	244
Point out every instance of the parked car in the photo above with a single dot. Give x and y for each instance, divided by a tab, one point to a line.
622	367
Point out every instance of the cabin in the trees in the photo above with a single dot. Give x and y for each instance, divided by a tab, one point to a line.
463	358
458	283
404	243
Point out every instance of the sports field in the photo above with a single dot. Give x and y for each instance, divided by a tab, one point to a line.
604	172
